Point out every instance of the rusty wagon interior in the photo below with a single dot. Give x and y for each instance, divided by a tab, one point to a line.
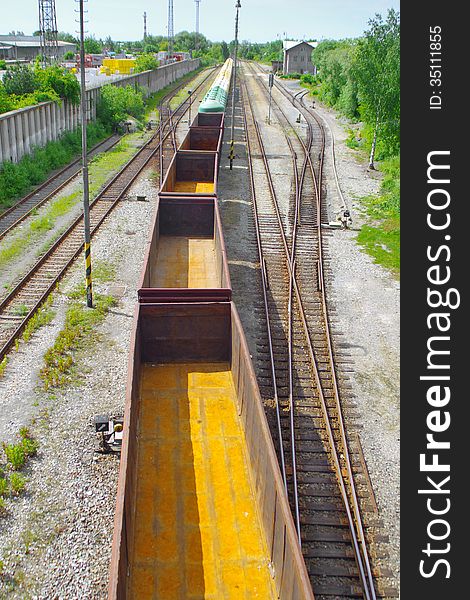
201	509
186	256
191	172
203	138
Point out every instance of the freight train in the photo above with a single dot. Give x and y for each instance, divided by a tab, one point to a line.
201	507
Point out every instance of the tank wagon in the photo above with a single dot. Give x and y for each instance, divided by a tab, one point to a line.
201	508
216	98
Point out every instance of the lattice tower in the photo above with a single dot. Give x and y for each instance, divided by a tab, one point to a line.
48	31
171	29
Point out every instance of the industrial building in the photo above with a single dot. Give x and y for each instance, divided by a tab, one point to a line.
27	47
298	57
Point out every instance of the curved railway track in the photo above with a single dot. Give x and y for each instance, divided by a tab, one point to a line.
313	448
21	303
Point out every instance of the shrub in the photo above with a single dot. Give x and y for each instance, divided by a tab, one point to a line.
3	65
25	86
3	487
17	483
145	62
15	455
60	81
308	79
118	103
19	80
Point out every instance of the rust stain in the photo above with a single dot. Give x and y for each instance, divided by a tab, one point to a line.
197	532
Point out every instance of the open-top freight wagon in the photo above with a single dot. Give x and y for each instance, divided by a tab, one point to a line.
201	507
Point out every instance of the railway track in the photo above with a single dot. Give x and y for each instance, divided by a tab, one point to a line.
298	370
27	296
14	215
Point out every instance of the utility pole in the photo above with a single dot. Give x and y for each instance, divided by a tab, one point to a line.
86	193
196	45
231	155
145	26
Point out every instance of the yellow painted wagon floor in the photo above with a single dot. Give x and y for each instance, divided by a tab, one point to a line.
194	187
185	262
197	532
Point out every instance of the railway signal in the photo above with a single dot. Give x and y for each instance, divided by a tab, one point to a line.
189	117
270	83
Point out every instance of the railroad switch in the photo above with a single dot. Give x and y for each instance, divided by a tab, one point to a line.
109	433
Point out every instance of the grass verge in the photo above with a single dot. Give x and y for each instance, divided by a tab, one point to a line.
102	167
14	458
381	236
80	323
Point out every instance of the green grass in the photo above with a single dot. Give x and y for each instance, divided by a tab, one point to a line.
381	236
3	365
101	168
16	179
42	317
103	271
80	324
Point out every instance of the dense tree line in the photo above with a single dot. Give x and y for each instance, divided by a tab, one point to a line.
361	78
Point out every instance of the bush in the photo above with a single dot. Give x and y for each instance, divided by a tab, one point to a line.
3	65
19	80
145	62
17	482
25	86
116	104
15	455
60	81
308	79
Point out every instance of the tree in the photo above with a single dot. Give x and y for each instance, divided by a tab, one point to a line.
145	62
92	45
19	80
225	50
377	71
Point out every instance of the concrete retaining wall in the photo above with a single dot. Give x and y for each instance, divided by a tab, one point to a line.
22	130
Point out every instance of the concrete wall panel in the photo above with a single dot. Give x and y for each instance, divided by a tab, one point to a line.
23	129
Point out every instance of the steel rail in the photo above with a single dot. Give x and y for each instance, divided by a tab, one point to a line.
367	580
44	185
265	288
151	146
350	475
355	521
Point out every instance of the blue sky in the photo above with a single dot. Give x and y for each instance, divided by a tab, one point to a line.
260	20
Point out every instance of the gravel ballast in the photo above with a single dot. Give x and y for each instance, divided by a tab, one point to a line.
55	541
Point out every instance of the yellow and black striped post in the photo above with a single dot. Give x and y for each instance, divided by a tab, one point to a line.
231	154
89	285
86	192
